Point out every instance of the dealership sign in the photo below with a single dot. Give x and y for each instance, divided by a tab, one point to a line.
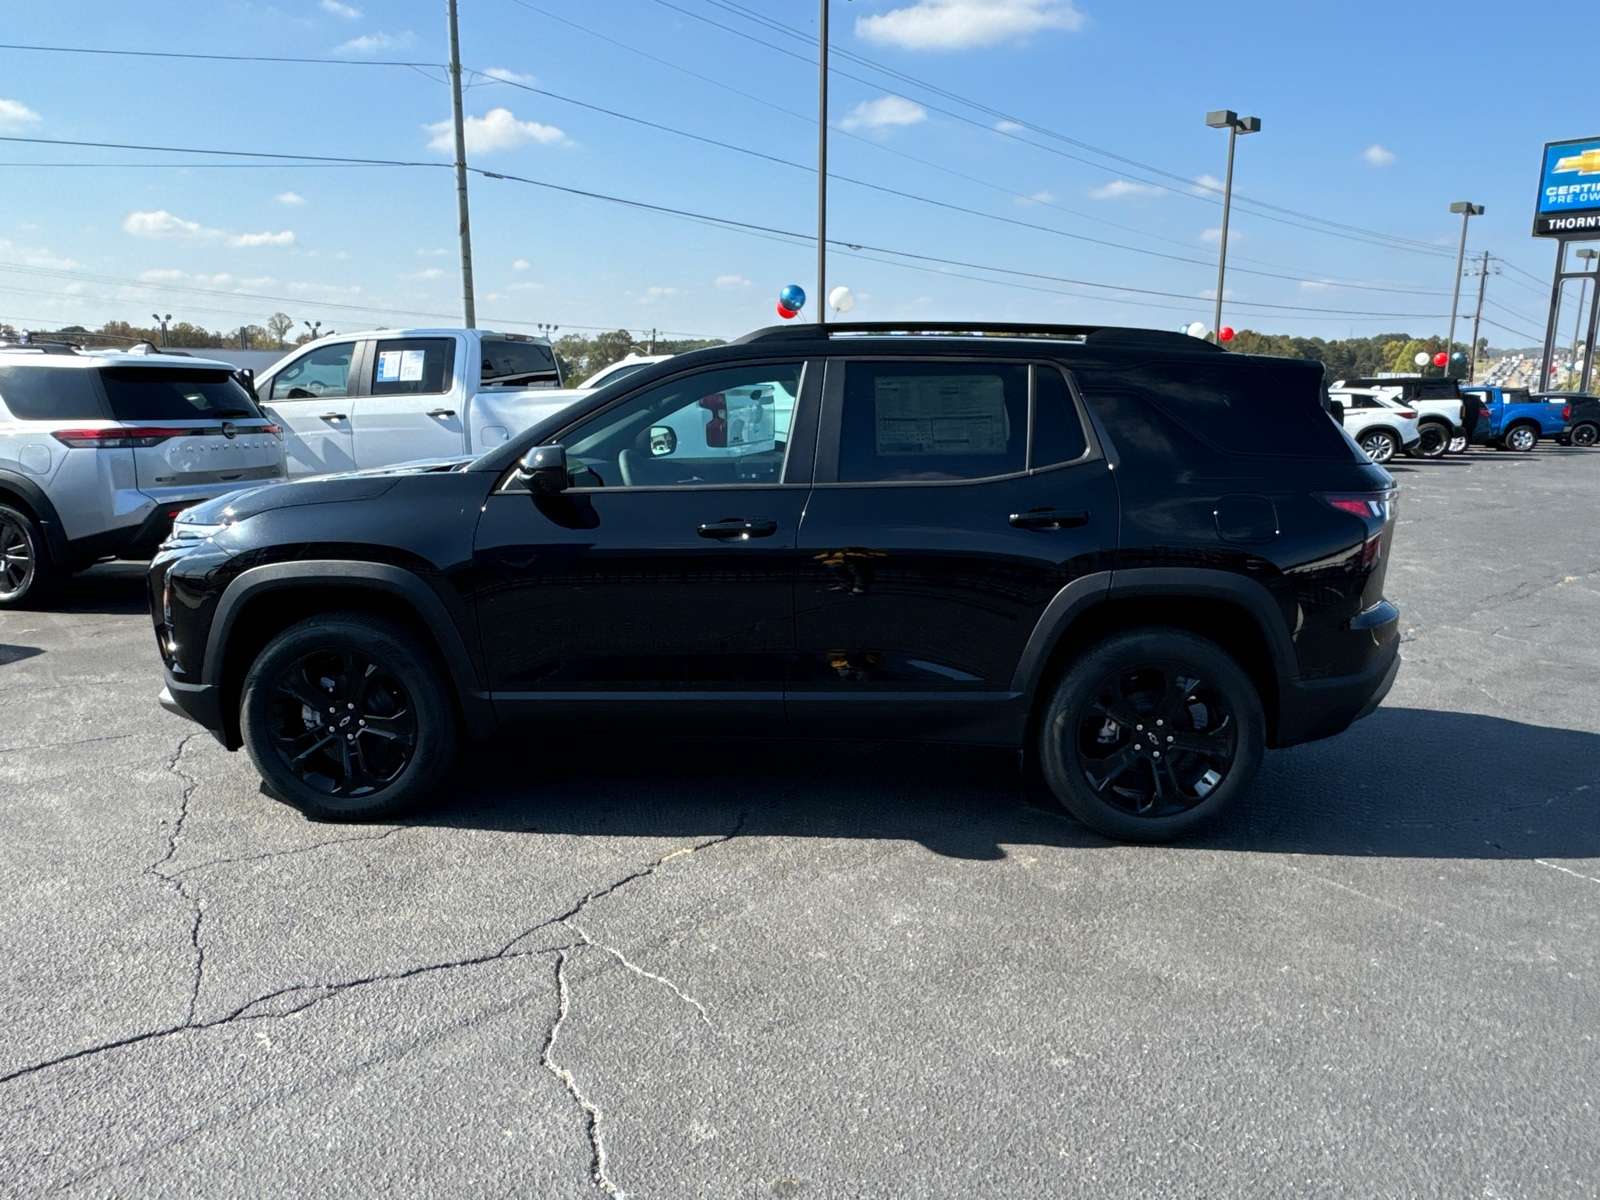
1569	190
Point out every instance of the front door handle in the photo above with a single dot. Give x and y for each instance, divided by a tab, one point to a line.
442	412
1051	518
333	417
737	529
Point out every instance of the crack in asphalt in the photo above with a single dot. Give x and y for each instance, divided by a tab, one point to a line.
114	737
170	879
591	1112
292	850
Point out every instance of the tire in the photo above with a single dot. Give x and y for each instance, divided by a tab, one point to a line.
1432	441
28	579
348	667
1521	437
1379	445
1181	682
1585	434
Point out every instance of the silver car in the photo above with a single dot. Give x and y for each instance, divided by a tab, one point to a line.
100	450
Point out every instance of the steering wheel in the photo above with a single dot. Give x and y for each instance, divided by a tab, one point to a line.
625	467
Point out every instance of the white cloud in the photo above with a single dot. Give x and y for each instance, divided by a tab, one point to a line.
497	130
1215	235
1009	126
436	252
884	113
161	223
15	115
289	198
372	43
652	294
324	289
1118	188
160	275
1377	155
528	286
966	24
430	273
286	238
732	281
521	264
505	76
341	10
1039	197
1204	184
1313	285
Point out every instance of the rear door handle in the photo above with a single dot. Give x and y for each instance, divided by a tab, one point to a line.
1051	518
442	412
333	417
737	529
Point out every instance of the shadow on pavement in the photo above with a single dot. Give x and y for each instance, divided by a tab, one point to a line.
115	589
11	654
1403	783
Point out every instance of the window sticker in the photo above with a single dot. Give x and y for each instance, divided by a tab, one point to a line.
411	362
940	414
389	365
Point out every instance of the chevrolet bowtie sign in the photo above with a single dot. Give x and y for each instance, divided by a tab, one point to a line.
1569	190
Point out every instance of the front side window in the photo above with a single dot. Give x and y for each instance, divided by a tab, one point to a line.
722	426
908	420
323	372
413	366
165	394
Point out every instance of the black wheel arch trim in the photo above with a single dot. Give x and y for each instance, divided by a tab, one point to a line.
382	577
49	520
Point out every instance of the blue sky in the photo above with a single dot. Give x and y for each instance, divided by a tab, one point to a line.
1375	116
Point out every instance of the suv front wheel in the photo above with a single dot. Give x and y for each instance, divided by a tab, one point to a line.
347	718
1151	734
27	576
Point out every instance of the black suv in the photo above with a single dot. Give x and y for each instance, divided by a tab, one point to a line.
1139	558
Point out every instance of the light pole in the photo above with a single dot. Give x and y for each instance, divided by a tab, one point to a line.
1467	211
315	329
1235	125
162	321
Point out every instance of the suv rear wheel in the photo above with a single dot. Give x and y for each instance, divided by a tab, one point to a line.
27	576
1379	445
1151	734
1432	440
347	718
1585	434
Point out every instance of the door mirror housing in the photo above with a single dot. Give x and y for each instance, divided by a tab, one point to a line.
663	440
543	470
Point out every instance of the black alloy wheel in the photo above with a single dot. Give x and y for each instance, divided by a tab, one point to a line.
346	717
1585	434
1433	440
1521	437
26	575
1152	733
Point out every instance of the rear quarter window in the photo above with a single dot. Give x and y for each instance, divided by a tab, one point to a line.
50	394
170	394
1243	406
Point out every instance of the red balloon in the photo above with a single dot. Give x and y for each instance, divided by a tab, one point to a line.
1226	333
1440	359
787	313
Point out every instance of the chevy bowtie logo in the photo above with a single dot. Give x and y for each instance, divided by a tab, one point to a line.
1587	163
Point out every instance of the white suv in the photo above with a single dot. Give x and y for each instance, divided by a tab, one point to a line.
1381	426
99	450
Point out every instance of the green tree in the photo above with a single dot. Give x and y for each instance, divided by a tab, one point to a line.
278	327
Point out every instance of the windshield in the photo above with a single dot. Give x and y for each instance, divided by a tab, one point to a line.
175	394
513	360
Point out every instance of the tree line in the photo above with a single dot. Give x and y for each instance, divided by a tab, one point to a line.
1357	358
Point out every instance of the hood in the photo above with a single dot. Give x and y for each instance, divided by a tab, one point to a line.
319	489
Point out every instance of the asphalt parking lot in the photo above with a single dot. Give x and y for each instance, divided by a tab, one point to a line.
743	970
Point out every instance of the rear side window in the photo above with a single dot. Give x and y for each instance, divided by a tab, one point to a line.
1057	432
514	361
1242	407
413	366
164	394
908	420
46	394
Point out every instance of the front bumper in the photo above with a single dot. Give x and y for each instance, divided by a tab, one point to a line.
199	702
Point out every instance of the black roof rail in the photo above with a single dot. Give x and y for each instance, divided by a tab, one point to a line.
1092	334
44	345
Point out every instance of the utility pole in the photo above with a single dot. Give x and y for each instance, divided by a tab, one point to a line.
467	305
1235	125
1483	280
1467	211
821	298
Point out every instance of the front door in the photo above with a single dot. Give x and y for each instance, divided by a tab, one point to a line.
310	398
954	500
657	592
412	404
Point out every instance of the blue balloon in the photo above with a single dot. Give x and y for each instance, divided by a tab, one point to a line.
793	297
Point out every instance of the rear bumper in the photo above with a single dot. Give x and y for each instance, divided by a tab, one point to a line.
1311	709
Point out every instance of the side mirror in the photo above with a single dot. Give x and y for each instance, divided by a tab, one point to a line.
663	440
543	470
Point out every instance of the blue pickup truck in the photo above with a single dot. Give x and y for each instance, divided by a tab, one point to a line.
1511	419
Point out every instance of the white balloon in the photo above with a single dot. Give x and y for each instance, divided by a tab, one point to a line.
1196	330
841	299
1422	359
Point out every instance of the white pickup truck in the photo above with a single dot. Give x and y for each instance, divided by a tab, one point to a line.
357	400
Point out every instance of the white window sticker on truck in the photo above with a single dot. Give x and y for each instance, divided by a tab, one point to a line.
389	366
411	365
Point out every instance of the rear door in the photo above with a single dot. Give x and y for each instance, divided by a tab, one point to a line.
412	401
192	429
937	533
311	398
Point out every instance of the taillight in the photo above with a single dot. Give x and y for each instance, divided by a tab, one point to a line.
102	439
1407	414
1483	409
1566	412
717	427
1367	505
272	429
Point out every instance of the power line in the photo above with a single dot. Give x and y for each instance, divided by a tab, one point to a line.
255	58
314	158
